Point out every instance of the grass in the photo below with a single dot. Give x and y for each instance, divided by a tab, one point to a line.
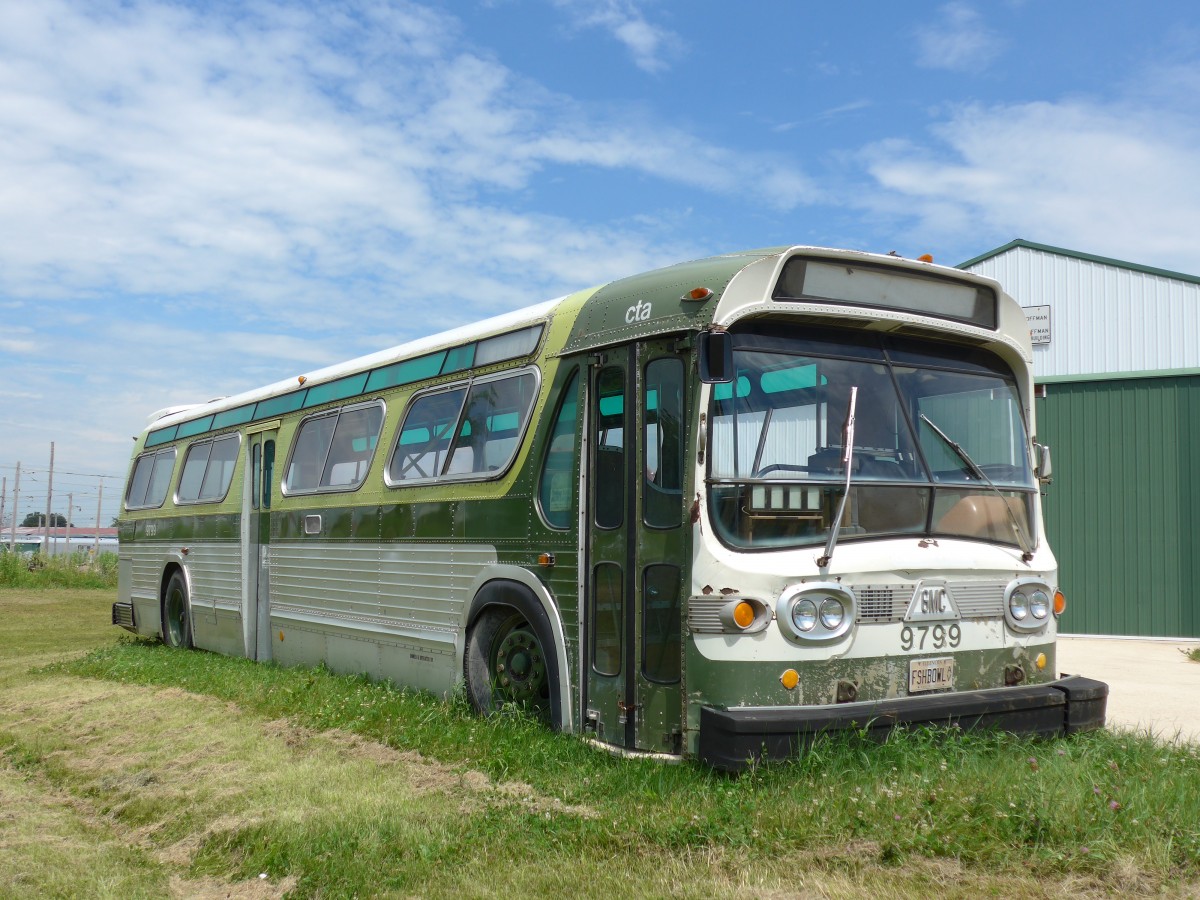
1193	654
198	772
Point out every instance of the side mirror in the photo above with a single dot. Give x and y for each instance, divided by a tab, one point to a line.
716	357
1041	464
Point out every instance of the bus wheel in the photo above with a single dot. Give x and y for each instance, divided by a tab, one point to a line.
176	621
505	663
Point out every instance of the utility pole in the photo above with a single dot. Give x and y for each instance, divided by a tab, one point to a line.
49	497
96	542
16	509
70	506
3	497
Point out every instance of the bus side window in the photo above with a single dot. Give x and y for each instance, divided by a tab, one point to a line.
556	488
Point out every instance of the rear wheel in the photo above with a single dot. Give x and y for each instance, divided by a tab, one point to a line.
176	613
505	663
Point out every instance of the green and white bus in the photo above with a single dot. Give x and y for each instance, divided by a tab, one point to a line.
710	510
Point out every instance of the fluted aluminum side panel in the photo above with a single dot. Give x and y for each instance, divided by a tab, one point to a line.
216	573
422	586
145	566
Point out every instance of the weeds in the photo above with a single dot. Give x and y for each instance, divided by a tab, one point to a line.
75	570
1193	654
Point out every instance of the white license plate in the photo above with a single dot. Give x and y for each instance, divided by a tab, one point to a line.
930	674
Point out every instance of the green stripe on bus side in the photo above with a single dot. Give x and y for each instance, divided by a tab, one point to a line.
211	527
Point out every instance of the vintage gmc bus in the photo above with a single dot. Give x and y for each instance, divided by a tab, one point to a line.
709	510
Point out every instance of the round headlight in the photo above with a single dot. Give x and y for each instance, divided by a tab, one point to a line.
1018	605
832	612
1039	604
804	615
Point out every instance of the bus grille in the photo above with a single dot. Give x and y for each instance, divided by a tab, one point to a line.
704	614
889	603
882	603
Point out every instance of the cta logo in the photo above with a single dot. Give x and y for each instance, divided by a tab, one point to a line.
639	312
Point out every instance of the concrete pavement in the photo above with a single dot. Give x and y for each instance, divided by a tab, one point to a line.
1151	684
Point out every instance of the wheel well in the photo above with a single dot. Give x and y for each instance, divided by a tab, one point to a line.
168	570
513	594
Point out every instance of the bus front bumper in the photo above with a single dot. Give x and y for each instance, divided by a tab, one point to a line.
731	739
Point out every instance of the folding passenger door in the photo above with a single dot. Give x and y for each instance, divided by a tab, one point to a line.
636	548
256	538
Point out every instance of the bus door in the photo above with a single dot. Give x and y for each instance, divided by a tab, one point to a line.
637	546
256	539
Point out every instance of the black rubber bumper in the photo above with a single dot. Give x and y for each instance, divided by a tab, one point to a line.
731	739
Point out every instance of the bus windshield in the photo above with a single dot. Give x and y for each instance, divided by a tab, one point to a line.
777	472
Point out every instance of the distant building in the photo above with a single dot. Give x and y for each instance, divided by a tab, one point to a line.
1117	366
62	540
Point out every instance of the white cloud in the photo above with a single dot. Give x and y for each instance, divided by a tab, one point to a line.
957	40
652	48
1115	179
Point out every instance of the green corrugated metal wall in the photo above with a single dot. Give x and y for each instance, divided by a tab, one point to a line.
1124	504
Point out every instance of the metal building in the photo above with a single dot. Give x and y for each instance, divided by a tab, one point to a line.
1117	364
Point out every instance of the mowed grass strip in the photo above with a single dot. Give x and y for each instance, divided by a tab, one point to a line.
217	771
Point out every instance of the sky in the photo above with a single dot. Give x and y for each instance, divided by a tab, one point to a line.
199	198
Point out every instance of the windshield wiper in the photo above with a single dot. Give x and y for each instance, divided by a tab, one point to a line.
847	460
973	468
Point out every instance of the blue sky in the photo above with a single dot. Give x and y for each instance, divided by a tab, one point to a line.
197	198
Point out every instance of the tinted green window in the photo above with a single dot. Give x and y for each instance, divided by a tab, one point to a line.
406	372
277	405
194	427
239	416
556	487
458	359
162	436
350	386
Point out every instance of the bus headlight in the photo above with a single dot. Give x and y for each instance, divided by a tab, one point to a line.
820	611
1027	604
832	613
804	614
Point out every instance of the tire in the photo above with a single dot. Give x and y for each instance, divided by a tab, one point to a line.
176	613
506	661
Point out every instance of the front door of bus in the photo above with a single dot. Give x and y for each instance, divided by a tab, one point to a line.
637	546
256	539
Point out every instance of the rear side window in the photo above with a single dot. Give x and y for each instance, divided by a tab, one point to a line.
150	481
333	450
469	430
208	470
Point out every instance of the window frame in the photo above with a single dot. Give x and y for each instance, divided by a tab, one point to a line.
336	412
179	501
466	385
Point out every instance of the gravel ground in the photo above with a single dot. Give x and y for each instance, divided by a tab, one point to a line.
1151	684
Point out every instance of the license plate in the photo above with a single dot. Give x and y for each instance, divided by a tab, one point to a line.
930	674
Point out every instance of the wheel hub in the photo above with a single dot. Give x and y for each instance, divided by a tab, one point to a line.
520	665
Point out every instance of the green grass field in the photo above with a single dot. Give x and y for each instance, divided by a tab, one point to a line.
130	770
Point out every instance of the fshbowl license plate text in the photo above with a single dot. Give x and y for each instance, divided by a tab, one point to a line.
930	674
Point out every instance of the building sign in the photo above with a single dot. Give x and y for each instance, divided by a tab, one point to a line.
1038	318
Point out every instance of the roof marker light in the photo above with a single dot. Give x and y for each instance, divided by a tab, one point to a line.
925	257
302	379
697	293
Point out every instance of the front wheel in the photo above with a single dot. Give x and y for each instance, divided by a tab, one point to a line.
505	663
176	613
